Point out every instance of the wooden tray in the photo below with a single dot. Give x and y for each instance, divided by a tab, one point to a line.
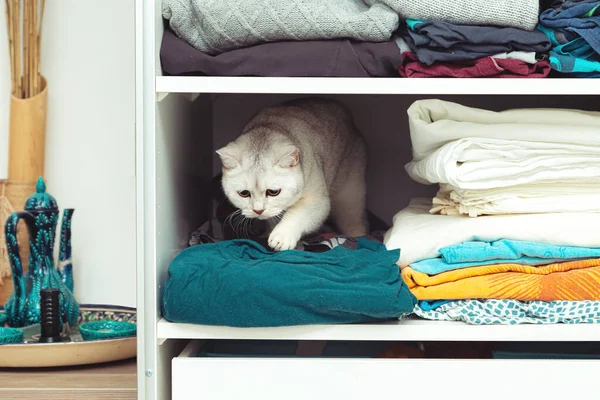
77	351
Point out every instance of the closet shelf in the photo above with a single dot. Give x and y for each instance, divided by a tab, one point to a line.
409	330
416	86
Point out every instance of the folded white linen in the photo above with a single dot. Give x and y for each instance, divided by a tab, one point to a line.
433	123
550	198
419	235
484	163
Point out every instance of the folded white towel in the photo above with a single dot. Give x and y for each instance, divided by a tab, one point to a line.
482	163
433	123
420	234
470	148
551	198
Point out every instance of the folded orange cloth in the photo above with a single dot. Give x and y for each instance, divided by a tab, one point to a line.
573	280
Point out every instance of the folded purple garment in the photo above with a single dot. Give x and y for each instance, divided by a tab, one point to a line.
318	58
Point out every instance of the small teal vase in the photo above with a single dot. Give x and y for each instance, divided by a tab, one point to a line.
41	217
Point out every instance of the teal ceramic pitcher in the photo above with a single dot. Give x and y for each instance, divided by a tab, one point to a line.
41	217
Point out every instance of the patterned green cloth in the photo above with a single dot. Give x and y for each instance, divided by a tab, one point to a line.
513	312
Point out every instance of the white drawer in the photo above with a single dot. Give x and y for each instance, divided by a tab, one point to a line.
362	379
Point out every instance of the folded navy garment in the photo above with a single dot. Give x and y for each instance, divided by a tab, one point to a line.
240	283
434	41
581	17
315	58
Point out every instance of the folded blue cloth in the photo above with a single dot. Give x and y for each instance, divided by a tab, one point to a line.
577	16
505	249
240	283
439	41
429	305
470	254
570	53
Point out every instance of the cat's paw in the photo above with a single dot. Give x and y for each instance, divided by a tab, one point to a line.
283	239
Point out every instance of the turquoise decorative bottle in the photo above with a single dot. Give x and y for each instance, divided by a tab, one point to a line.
41	217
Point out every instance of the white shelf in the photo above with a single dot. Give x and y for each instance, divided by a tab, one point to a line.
418	86
408	330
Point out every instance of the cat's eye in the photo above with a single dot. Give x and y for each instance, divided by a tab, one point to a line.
244	193
273	192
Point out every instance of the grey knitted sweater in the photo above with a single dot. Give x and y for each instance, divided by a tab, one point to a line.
521	14
215	26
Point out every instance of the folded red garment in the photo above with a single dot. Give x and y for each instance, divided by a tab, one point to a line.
487	67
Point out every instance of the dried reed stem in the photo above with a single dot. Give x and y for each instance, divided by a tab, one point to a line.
39	42
16	9
26	60
35	53
11	46
24	27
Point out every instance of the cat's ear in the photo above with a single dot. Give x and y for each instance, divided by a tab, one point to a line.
288	157
228	157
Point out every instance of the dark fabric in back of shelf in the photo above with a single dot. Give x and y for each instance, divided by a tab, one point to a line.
318	58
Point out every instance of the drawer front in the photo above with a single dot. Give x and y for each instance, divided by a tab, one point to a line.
354	379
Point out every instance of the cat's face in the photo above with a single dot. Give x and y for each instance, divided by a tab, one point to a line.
261	185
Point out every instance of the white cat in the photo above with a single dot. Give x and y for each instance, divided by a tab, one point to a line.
296	164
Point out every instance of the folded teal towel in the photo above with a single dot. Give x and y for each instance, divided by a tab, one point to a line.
470	254
240	283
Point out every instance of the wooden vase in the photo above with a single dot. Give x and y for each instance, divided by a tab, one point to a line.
26	155
27	136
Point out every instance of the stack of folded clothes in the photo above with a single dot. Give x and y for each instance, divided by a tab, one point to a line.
486	39
280	38
514	161
536	258
442	49
573	27
354	38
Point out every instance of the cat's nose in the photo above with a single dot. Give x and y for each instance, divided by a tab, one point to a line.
259	211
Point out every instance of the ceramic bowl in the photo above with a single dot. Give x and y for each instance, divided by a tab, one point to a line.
10	335
3	318
107	329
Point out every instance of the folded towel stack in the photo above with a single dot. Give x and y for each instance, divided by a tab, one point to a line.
515	161
573	27
514	218
498	41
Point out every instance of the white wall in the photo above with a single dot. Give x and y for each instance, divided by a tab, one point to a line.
88	58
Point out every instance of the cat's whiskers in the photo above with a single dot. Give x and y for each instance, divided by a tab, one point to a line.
236	220
242	226
230	216
249	228
245	228
231	219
